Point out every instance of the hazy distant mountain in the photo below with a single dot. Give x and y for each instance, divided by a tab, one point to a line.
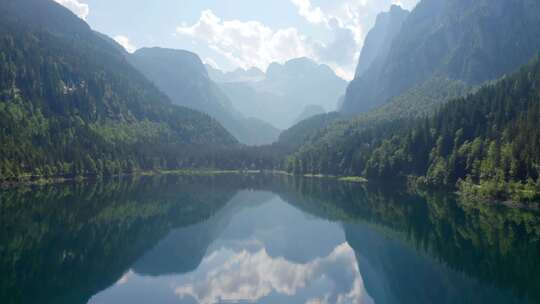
184	78
238	75
310	111
458	40
286	90
303	82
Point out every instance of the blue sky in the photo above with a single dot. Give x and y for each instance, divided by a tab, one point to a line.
241	33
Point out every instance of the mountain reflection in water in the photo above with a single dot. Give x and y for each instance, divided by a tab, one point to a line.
261	239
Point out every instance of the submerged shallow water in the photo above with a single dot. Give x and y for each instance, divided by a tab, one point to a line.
261	239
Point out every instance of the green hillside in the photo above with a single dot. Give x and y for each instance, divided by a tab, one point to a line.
488	143
71	105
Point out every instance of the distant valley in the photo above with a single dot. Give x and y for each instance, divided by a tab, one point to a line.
285	93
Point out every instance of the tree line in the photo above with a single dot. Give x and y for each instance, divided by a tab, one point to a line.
487	143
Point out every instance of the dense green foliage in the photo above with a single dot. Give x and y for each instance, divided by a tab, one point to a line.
489	140
294	137
422	100
327	131
448	53
71	105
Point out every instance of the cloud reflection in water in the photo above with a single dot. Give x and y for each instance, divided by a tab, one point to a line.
251	276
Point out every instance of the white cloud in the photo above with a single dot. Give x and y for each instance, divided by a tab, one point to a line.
211	62
78	8
398	3
247	43
342	52
348	32
349	21
125	43
312	14
251	276
252	44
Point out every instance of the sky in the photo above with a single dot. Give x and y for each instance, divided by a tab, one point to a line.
241	33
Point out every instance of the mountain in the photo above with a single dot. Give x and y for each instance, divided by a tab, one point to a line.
420	101
238	75
487	143
293	138
184	78
459	40
379	39
417	101
286	90
310	111
298	79
70	103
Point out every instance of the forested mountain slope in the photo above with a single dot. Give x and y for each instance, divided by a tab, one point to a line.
294	137
184	78
470	41
70	103
490	139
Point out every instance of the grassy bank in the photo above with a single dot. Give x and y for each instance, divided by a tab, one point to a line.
353	179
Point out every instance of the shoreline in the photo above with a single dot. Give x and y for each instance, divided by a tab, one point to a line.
45	181
35	181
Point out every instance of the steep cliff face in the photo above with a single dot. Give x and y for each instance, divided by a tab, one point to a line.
379	39
460	40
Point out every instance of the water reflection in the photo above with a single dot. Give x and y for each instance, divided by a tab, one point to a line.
261	239
265	253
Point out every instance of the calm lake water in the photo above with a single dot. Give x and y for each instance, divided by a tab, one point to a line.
261	239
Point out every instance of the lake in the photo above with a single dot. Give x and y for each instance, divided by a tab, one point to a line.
261	239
